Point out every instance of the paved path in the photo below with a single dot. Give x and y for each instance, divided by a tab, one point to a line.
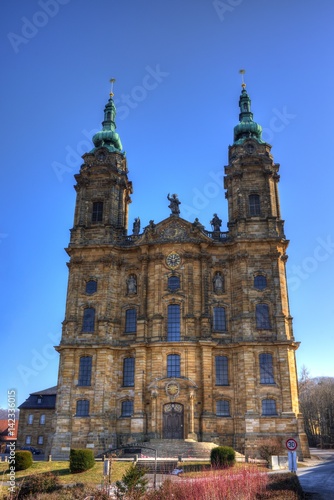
319	477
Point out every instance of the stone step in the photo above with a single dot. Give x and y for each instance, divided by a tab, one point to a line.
175	448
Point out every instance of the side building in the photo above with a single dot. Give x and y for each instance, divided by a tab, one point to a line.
36	421
177	332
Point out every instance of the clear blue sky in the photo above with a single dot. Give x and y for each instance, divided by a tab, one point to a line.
176	63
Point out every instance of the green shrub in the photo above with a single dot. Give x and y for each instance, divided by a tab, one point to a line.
222	456
81	460
23	460
40	483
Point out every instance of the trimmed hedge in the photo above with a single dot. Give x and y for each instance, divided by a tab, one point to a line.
40	483
23	460
81	460
222	456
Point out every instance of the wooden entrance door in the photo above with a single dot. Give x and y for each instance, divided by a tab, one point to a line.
173	421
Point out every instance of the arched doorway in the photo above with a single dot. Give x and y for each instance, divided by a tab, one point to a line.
173	421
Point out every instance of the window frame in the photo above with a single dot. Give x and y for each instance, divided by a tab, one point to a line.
173	323
128	372
88	323
219	323
40	440
221	372
221	412
88	284
30	419
254	205
262	282
264	402
173	365
130	320
85	372
84	411
28	439
266	364
42	419
174	287
129	412
97	212
262	316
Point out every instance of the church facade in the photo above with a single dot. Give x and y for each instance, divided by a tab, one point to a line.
174	331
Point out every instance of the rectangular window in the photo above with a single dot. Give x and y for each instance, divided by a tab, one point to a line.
129	372
173	323
97	212
266	369
223	408
127	408
85	370
269	407
254	205
219	319
262	317
40	440
28	439
88	323
30	419
82	408
173	365
221	370
131	321
42	419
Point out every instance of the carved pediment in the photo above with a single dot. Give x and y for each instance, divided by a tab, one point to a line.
174	229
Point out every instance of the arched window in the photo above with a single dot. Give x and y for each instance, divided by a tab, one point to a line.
40	440
30	419
97	211
266	369
173	283
128	372
85	370
42	419
221	370
260	282
223	408
269	407
82	408
173	323
173	365
127	408
88	322
91	287
262	317
219	319
130	321
254	205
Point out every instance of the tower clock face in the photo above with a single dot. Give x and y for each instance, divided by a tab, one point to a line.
173	260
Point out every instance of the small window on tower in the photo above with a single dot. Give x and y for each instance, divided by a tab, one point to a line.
254	205
260	282
91	287
173	283
97	212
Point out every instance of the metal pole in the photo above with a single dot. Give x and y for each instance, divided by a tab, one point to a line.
155	472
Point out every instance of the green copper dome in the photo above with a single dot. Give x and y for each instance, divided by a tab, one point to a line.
107	137
246	128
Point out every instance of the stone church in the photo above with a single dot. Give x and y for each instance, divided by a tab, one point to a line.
174	332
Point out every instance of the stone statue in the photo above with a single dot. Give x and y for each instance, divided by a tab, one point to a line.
216	222
174	204
132	284
136	226
218	283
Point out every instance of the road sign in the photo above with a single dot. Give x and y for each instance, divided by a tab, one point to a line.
291	444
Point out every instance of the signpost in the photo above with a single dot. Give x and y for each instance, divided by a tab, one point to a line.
291	445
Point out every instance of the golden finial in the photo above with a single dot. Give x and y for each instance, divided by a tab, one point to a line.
112	86
242	72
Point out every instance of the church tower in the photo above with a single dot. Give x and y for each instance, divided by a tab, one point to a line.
174	331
